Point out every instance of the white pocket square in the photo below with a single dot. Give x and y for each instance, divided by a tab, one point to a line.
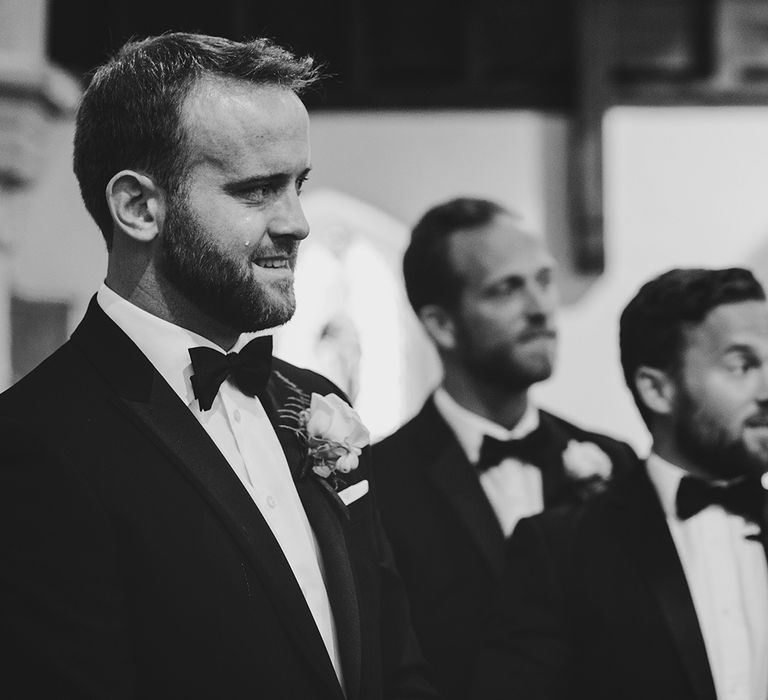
352	493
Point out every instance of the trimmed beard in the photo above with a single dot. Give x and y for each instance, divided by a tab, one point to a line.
709	446
220	284
496	366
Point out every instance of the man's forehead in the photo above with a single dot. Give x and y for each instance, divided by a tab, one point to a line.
213	99
738	323
215	88
500	243
226	119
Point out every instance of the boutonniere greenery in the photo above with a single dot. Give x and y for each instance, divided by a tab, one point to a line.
331	434
588	466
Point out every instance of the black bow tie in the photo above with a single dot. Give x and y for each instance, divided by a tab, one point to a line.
248	369
527	449
744	497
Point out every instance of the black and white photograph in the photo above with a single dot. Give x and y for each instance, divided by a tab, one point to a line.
393	350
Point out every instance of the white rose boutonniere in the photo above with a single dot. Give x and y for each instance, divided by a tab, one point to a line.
334	436
587	465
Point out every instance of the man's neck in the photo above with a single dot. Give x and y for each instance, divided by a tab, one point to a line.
492	402
668	449
165	303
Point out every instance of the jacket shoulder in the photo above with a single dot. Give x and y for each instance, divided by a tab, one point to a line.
621	453
417	435
404	435
579	432
60	374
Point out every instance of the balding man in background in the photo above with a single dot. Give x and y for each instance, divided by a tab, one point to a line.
480	455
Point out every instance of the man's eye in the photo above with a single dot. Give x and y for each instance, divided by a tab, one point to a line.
740	365
545	278
505	287
260	192
255	191
300	182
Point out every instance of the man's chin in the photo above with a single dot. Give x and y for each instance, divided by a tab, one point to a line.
264	318
536	370
518	378
756	438
755	456
743	458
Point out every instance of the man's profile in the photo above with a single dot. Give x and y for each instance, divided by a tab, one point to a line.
180	517
658	588
455	480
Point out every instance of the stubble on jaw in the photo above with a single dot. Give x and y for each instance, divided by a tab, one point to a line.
220	284
710	447
506	368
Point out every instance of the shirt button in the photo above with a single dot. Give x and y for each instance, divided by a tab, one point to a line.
237	415
271	502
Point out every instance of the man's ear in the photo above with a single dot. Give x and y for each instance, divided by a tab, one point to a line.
439	325
137	205
656	389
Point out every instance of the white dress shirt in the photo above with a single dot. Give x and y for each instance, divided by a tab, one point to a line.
728	579
513	488
239	426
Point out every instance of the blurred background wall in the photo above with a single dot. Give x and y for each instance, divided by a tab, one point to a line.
632	136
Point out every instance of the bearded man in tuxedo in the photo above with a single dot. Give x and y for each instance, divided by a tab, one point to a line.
659	587
454	481
182	515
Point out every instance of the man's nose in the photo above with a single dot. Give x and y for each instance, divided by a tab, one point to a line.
288	218
761	392
540	301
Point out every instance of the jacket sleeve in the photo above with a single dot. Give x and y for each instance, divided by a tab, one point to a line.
62	604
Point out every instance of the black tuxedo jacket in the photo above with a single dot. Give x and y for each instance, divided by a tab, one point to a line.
596	606
447	541
133	563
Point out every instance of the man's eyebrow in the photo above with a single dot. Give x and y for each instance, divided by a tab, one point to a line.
260	180
549	264
514	277
253	181
743	348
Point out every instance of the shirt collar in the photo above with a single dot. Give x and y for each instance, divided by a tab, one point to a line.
470	428
165	344
665	478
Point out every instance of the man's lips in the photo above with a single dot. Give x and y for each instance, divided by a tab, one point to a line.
538	334
273	262
758	421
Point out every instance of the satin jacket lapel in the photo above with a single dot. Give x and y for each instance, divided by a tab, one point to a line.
453	476
556	488
326	514
283	408
644	524
150	403
339	577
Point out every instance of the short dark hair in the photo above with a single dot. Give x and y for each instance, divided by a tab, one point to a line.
429	274
130	114
651	328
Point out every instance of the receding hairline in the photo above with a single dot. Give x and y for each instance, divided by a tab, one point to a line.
212	79
209	84
192	108
516	231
